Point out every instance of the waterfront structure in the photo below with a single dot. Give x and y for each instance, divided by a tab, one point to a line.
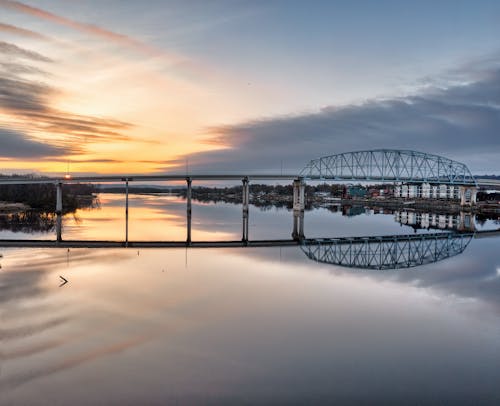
464	194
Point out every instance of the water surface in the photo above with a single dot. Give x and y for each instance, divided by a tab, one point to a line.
242	325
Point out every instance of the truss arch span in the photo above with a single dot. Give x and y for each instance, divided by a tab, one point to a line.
389	165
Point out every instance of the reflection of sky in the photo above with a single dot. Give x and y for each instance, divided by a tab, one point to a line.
259	324
225	325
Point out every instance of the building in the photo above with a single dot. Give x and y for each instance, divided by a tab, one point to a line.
466	195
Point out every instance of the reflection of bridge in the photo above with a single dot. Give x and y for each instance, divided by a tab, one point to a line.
387	252
373	252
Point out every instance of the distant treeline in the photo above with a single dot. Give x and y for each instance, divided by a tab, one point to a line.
487	176
260	189
263	196
43	196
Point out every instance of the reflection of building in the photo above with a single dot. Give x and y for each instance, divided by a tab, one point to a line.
356	191
464	194
461	222
353	210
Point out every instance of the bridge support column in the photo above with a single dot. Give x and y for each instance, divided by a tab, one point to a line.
126	212
468	195
188	208
245	202
298	209
59	211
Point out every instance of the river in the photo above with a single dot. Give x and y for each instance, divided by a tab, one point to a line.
243	325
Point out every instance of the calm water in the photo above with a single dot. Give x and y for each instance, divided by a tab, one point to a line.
242	325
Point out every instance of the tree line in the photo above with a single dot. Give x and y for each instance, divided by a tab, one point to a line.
43	196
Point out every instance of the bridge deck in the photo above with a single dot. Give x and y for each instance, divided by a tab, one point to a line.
218	177
145	178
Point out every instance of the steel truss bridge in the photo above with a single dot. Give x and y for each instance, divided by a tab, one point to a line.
387	252
389	165
386	165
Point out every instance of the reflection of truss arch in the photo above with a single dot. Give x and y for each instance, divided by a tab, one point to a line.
389	165
386	252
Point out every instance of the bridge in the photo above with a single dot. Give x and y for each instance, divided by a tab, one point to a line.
420	175
389	165
488	183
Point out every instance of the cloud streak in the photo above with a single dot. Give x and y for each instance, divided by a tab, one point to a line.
18	145
91	29
15	51
12	29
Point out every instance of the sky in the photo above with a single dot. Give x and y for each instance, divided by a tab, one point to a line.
121	86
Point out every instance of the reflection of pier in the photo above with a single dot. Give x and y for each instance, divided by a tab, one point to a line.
460	222
387	252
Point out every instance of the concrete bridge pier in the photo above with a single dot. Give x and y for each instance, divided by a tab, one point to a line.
59	212
298	209
246	203
468	195
126	212
189	182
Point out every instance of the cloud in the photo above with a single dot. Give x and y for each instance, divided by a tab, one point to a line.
18	145
29	100
91	29
79	161
461	122
17	95
20	69
12	29
15	51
